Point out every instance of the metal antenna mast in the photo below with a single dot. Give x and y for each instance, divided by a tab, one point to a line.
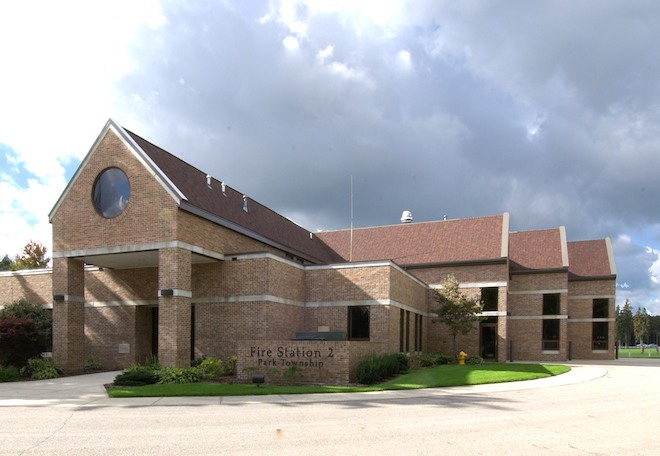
350	253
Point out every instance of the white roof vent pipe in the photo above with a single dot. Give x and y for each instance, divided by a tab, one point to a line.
406	217
208	180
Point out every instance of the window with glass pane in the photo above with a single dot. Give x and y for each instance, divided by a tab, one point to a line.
358	323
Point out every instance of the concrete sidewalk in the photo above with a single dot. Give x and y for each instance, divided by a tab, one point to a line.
89	390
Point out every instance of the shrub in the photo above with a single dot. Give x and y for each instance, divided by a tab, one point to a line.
179	374
444	359
19	341
422	360
403	361
9	374
374	369
136	376
92	364
41	317
215	367
474	360
292	374
41	369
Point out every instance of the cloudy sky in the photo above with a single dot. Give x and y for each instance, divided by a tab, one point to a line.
547	110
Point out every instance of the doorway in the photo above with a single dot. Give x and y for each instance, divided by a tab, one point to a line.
488	335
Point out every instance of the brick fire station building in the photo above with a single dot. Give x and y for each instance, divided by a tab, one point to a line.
153	256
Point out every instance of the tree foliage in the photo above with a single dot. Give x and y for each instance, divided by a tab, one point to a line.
456	310
19	341
642	325
33	256
41	317
5	263
624	324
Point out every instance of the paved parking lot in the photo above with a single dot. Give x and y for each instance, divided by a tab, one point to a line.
595	409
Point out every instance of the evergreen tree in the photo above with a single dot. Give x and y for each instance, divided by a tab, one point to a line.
624	324
5	263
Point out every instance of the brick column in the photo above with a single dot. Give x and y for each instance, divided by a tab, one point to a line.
502	324
69	314
174	307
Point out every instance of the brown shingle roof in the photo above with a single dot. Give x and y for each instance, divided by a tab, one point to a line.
448	241
536	250
589	259
259	221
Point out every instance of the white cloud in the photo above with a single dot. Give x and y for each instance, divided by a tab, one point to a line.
325	53
654	270
404	60
291	44
60	66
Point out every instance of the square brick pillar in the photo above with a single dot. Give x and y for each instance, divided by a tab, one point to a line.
69	314
502	325
174	306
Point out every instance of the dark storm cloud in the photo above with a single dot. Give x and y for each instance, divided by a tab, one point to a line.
550	112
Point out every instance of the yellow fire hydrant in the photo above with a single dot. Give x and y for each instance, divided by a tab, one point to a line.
461	358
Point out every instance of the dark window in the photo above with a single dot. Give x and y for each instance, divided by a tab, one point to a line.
551	335
551	304
599	335
551	326
358	323
601	307
489	298
192	333
111	192
401	329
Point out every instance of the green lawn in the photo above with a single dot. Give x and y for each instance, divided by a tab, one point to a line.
637	353
431	377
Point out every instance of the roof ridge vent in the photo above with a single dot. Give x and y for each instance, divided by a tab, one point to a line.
406	217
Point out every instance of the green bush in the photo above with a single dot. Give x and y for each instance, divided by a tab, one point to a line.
136	376
292	374
444	359
422	360
41	369
92	364
9	374
374	369
403	361
474	360
179	374
215	367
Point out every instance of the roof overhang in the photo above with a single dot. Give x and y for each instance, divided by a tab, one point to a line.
137	256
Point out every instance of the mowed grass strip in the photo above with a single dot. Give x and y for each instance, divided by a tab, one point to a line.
637	353
431	377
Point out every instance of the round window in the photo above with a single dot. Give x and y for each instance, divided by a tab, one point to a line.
111	192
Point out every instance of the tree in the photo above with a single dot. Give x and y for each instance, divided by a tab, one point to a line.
33	257
41	318
624	323
19	341
5	263
642	325
458	311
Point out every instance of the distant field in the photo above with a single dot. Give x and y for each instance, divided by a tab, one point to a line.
637	353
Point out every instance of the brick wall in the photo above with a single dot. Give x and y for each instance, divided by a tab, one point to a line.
478	273
149	216
35	287
525	320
